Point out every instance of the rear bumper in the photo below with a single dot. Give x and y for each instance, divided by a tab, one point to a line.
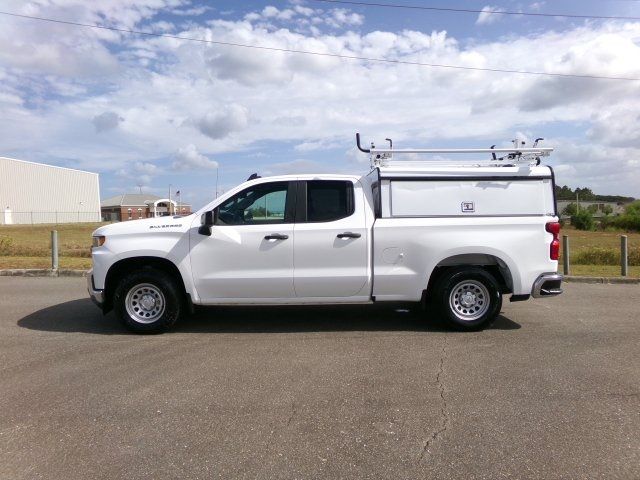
97	296
547	285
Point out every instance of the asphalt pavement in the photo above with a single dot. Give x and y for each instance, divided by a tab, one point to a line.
552	390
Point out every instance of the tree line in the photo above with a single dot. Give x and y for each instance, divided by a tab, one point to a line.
566	193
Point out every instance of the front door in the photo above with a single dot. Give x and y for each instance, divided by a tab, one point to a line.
331	255
250	251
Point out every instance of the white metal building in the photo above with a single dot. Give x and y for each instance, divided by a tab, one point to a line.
38	193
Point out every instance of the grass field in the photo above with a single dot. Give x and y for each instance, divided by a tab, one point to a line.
601	271
29	246
77	263
579	239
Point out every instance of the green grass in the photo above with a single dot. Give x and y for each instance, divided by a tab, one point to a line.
76	263
29	246
579	239
601	271
600	248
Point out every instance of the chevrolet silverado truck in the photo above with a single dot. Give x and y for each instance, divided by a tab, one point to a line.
456	237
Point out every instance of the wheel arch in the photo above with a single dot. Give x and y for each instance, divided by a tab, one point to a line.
127	265
501	270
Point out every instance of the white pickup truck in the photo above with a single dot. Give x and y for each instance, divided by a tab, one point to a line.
456	237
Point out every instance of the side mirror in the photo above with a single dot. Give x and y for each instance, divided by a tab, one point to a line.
207	219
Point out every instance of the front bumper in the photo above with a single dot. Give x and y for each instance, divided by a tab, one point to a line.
547	285
97	296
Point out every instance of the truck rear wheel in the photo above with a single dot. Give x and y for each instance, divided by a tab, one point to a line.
469	298
147	301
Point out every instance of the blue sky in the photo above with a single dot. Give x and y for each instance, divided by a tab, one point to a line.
158	111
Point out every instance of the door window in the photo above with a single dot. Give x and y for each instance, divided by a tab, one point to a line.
261	204
329	200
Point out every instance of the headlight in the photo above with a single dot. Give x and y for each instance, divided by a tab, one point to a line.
98	241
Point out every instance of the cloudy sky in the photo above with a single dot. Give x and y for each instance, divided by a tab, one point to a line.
157	111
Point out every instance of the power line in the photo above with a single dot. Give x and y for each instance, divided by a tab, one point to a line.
318	54
470	10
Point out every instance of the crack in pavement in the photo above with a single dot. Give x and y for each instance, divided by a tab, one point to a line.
444	413
272	432
293	413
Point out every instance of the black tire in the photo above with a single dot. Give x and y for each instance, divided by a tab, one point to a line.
163	296
462	301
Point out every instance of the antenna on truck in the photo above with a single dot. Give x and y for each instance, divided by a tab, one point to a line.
380	156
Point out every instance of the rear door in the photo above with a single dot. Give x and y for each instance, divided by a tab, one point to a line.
331	240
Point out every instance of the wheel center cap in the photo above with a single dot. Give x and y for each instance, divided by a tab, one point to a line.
467	299
148	302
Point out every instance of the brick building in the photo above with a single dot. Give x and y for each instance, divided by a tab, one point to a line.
133	206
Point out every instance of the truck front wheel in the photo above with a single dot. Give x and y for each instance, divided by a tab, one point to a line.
469	298
147	301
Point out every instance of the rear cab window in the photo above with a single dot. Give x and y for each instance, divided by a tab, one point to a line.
329	200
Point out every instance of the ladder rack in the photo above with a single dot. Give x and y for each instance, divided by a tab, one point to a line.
380	157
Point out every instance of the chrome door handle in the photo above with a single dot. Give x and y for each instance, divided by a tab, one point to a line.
349	235
276	236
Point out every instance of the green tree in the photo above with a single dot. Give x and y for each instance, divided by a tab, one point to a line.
633	209
607	210
564	193
585	194
583	220
570	210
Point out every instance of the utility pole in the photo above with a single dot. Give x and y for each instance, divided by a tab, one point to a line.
577	202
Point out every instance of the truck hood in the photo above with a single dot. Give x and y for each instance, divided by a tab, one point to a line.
147	225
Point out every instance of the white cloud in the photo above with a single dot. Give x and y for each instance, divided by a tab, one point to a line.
486	17
306	11
295	167
610	170
204	96
27	45
617	127
139	173
273	12
340	17
305	18
189	158
221	123
316	145
106	121
191	12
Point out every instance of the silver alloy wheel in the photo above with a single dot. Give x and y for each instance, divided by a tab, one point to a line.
469	300
145	303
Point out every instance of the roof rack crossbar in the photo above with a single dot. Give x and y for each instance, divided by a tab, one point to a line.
464	150
382	156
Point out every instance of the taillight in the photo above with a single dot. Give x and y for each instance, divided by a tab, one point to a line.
554	229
